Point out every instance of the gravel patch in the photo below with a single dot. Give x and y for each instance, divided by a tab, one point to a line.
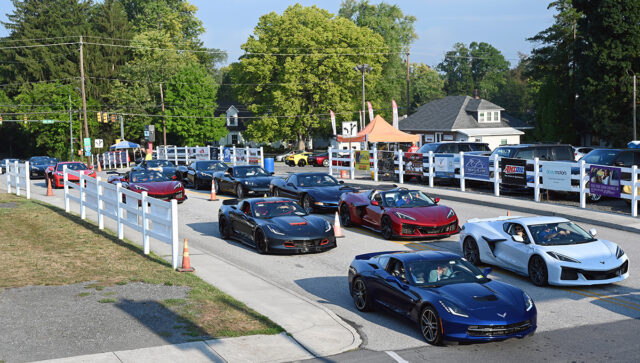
47	322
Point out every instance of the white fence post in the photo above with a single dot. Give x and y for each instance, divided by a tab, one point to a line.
262	156
583	184
83	196
234	155
7	172
99	208
246	154
400	167
17	177
119	206
65	178
431	174
221	153
536	179
27	179
496	175
462	185
145	224
375	162
175	155
174	234
330	161
634	191
352	164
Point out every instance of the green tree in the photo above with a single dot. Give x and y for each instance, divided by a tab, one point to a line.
294	70
426	85
457	71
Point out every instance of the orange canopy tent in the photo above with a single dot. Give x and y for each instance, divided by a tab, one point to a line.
379	130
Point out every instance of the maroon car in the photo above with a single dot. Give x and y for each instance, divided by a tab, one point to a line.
155	183
319	159
398	213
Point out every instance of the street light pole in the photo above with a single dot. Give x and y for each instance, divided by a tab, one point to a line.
634	107
362	68
71	157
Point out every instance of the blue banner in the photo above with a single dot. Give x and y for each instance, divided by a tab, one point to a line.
226	156
476	167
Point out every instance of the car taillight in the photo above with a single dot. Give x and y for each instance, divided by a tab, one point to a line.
174	177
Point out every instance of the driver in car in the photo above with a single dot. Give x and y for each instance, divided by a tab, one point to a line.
441	273
548	233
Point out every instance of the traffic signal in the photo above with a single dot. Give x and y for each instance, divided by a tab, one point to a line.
104	117
113	118
99	114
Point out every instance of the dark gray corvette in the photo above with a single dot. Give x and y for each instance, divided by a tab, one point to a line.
314	191
274	225
243	180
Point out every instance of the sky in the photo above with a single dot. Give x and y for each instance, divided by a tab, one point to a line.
505	24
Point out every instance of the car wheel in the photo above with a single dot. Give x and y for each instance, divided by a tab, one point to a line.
538	271
216	185
594	198
302	163
360	295
261	242
306	203
223	227
276	192
196	184
325	162
387	228
430	326
239	191
345	217
470	251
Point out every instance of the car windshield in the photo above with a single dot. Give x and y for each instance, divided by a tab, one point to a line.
480	147
407	199
317	180
428	147
72	166
249	171
210	165
159	163
601	157
39	161
504	152
147	176
277	208
562	233
443	272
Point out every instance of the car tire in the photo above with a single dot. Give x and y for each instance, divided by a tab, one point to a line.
360	295
224	227
306	203
239	191
261	242
302	163
386	227
216	185
325	163
594	198
429	323
275	192
538	272
470	251
345	217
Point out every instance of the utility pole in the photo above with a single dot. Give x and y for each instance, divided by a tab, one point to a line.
84	96
71	156
408	83
121	127
363	68
634	107
164	128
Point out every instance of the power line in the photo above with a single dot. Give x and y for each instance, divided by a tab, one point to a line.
38	45
6	40
18	84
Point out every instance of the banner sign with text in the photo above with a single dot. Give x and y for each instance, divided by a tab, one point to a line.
476	167
362	160
443	166
514	171
414	164
556	176
605	181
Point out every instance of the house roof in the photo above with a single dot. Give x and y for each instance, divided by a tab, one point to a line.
379	130
457	112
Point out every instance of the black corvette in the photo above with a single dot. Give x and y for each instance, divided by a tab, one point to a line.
274	225
243	180
166	167
314	191
200	173
39	165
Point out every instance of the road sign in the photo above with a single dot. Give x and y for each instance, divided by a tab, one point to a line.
48	121
87	142
349	129
98	143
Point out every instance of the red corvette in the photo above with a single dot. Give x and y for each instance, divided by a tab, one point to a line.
57	177
155	183
398	213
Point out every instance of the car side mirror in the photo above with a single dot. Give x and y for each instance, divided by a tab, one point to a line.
518	238
290	185
341	182
374	202
91	167
272	173
486	271
593	232
437	200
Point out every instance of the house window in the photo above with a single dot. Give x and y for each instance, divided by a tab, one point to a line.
234	139
489	116
503	142
232	120
481	117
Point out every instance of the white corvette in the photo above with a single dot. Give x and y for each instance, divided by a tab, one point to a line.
550	250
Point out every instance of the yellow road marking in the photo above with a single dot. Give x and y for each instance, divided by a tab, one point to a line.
610	298
603	298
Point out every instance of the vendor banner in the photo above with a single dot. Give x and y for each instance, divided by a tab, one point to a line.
254	156
386	165
556	176
414	164
605	181
443	166
362	160
514	171
201	153
476	167
226	154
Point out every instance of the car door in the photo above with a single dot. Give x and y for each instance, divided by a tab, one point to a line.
240	220
372	212
191	173
226	182
290	187
393	295
513	255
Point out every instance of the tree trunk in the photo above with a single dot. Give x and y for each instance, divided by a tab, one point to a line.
301	143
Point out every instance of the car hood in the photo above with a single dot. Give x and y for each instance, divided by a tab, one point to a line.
163	187
329	194
433	214
584	252
261	181
299	225
480	299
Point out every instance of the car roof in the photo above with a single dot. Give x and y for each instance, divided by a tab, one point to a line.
518	146
310	173
411	256
523	220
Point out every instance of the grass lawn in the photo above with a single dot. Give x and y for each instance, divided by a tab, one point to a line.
43	245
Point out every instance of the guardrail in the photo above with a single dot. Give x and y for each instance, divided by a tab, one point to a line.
503	173
235	156
149	216
18	177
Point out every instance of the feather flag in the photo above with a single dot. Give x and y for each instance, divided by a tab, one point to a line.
333	122
370	111
395	114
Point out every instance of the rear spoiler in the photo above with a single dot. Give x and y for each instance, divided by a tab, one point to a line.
232	201
367	256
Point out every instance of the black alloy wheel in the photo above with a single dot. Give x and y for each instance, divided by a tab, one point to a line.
224	228
470	251
306	203
430	326
261	242
239	191
538	271
345	217
302	163
276	192
594	198
216	185
387	228
360	295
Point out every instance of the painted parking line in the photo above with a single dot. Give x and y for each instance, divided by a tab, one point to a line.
395	356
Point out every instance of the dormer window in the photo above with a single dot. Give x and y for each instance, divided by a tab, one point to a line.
488	116
232	120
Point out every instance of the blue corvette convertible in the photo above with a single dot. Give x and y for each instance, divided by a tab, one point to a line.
447	296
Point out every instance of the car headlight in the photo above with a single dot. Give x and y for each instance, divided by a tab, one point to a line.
404	216
528	301
619	252
327	228
177	186
561	257
250	183
453	309
274	229
451	213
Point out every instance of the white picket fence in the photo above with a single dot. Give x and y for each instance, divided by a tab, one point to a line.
113	160
149	216
232	155
578	172
18	178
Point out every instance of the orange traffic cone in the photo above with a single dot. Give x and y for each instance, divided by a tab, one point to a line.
49	189
213	192
337	230
99	166
186	261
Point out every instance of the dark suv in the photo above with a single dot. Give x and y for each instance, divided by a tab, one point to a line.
454	147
